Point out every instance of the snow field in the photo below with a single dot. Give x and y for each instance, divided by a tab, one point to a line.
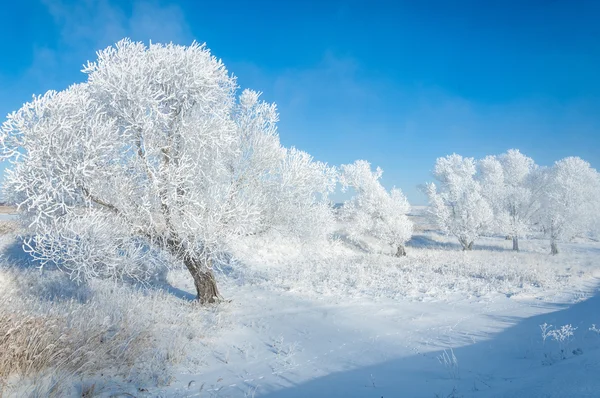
328	320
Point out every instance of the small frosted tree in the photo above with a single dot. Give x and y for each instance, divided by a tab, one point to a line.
457	205
297	202
511	186
373	210
570	201
153	160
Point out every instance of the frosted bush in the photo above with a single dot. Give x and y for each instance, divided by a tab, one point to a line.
562	336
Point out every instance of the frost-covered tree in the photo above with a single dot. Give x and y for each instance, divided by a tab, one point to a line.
570	201
511	186
288	187
297	203
154	159
457	205
373	210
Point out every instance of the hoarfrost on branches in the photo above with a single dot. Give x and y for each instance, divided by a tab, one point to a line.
374	210
457	205
511	184
154	160
570	201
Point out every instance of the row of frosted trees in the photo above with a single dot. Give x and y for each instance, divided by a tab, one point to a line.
155	160
510	195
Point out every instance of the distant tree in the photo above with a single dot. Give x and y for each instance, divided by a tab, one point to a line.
154	159
373	210
570	201
457	204
510	183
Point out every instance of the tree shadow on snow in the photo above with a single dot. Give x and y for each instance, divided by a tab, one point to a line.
427	242
175	291
511	362
47	282
354	243
14	255
50	283
225	266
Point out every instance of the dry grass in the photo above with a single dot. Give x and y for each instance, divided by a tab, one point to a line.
70	339
8	227
28	344
54	337
59	338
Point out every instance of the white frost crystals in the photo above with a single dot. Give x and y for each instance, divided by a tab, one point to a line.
510	195
570	202
155	160
373	210
512	184
458	206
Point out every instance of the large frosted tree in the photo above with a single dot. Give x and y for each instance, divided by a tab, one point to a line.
373	210
155	159
456	202
511	184
570	201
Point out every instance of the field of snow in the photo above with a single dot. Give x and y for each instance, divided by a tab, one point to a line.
345	320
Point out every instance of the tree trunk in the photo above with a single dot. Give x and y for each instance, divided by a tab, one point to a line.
466	245
515	243
401	252
200	267
553	248
204	279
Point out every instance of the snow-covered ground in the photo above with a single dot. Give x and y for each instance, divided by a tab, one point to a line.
348	320
284	346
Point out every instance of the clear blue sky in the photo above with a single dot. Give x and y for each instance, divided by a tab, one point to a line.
397	83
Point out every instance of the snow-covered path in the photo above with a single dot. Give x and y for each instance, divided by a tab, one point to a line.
283	345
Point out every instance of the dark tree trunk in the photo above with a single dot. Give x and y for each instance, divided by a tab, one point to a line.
515	243
553	248
204	279
401	252
465	244
200	267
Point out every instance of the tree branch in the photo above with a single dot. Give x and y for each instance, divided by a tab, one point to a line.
100	202
142	154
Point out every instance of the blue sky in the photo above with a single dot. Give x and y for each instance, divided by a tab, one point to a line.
398	83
